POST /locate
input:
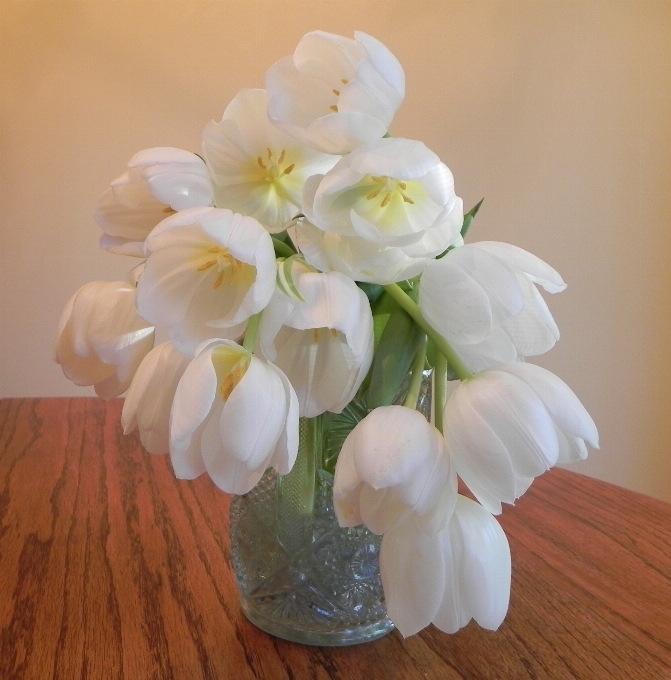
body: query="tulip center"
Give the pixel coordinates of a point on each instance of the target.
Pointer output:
(228, 270)
(230, 365)
(273, 166)
(387, 189)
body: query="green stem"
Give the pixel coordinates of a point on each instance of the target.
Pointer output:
(249, 343)
(282, 249)
(443, 346)
(439, 390)
(417, 375)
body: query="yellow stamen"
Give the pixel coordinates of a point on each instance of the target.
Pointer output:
(207, 265)
(407, 200)
(403, 185)
(334, 108)
(219, 280)
(259, 160)
(336, 92)
(315, 334)
(288, 169)
(168, 211)
(280, 160)
(214, 249)
(334, 332)
(386, 200)
(344, 81)
(270, 154)
(373, 194)
(231, 381)
(379, 180)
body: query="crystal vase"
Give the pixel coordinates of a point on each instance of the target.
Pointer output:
(301, 576)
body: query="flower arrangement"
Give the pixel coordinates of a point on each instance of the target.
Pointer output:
(308, 259)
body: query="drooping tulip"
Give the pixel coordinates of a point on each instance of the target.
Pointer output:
(233, 416)
(207, 272)
(149, 399)
(393, 466)
(461, 573)
(101, 339)
(483, 299)
(257, 169)
(322, 342)
(335, 93)
(158, 182)
(506, 426)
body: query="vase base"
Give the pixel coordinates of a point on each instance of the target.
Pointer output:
(335, 637)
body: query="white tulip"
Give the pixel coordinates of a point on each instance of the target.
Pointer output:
(324, 344)
(483, 299)
(233, 416)
(393, 466)
(101, 339)
(355, 257)
(257, 169)
(149, 399)
(158, 182)
(207, 272)
(506, 426)
(461, 573)
(335, 93)
(391, 196)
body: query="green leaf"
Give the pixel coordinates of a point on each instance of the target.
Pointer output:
(373, 291)
(336, 428)
(469, 217)
(398, 345)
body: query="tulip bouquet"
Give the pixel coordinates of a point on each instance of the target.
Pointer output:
(307, 260)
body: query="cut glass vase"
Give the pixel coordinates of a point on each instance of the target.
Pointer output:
(301, 576)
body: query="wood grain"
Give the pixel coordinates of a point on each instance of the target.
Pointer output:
(110, 568)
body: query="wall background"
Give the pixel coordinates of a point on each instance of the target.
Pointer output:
(557, 111)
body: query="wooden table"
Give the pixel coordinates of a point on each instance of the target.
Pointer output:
(111, 568)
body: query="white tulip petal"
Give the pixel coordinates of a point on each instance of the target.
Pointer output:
(148, 403)
(480, 457)
(335, 95)
(257, 169)
(560, 401)
(478, 570)
(347, 487)
(101, 339)
(384, 62)
(286, 451)
(536, 269)
(193, 400)
(258, 402)
(413, 577)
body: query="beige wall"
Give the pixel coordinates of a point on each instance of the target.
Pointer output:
(556, 111)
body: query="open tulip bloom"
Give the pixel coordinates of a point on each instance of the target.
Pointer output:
(309, 264)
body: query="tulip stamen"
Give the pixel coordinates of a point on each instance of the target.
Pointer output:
(232, 379)
(168, 211)
(315, 334)
(373, 194)
(336, 92)
(219, 280)
(344, 81)
(333, 108)
(407, 199)
(280, 160)
(386, 200)
(288, 169)
(270, 154)
(334, 332)
(207, 265)
(259, 160)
